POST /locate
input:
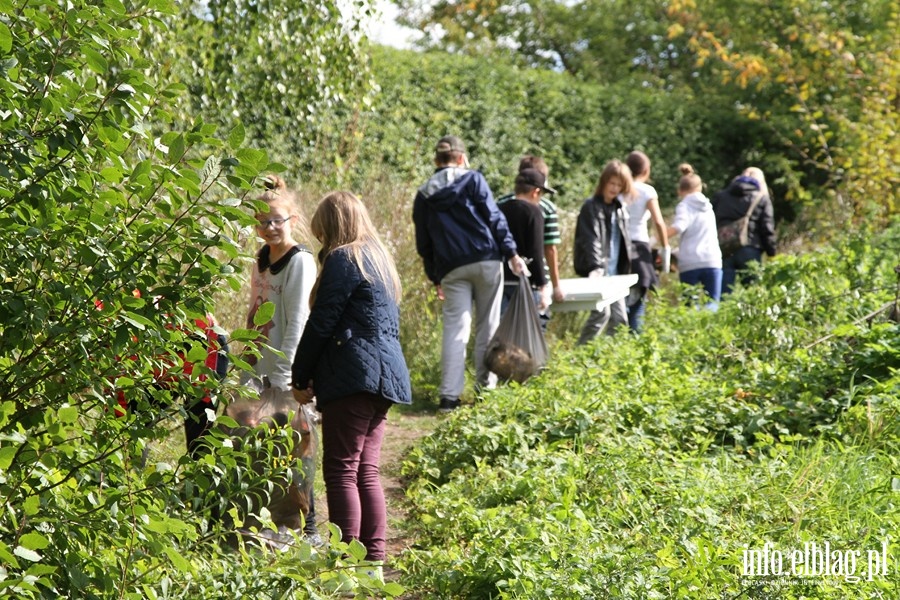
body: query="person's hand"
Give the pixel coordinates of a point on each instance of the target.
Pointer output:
(440, 291)
(666, 258)
(304, 396)
(545, 298)
(559, 294)
(595, 274)
(518, 267)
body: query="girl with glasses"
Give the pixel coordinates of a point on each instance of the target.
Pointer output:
(284, 274)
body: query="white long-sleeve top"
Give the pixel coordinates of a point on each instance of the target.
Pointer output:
(696, 224)
(287, 284)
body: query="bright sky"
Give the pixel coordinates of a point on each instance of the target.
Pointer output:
(386, 31)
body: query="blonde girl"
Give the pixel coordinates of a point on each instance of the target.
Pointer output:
(349, 359)
(284, 274)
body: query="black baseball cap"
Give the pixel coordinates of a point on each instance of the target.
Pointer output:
(534, 178)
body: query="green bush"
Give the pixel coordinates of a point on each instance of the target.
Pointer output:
(116, 240)
(644, 466)
(503, 112)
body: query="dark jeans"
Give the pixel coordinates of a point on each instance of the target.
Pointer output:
(352, 431)
(710, 279)
(739, 261)
(197, 425)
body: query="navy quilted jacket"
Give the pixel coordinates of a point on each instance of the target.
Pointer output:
(351, 342)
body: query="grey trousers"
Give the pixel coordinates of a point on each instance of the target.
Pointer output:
(610, 317)
(479, 284)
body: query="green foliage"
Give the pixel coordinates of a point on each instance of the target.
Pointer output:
(503, 112)
(824, 81)
(598, 40)
(644, 467)
(272, 68)
(117, 235)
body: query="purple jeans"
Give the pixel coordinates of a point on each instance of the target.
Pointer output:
(352, 431)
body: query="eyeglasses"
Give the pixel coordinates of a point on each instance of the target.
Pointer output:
(275, 223)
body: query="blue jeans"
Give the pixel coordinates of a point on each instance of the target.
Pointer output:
(739, 261)
(636, 315)
(709, 278)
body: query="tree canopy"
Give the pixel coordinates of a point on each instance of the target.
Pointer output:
(821, 77)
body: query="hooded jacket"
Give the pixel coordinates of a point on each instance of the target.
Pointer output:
(458, 223)
(733, 202)
(696, 224)
(591, 250)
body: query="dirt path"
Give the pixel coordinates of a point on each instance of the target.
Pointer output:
(403, 430)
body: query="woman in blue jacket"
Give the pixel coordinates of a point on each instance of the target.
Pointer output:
(349, 358)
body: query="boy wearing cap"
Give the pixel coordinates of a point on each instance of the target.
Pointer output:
(462, 238)
(526, 222)
(552, 238)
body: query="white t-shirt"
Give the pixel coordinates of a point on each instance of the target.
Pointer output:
(638, 213)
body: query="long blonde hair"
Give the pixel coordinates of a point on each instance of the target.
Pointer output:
(342, 221)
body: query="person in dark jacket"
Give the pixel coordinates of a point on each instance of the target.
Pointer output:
(526, 222)
(349, 358)
(732, 204)
(602, 244)
(462, 236)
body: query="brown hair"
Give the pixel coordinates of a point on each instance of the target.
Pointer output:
(638, 163)
(690, 181)
(530, 161)
(451, 157)
(342, 221)
(615, 168)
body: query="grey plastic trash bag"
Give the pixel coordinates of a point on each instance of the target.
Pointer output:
(518, 349)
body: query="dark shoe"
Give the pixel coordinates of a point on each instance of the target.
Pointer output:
(448, 405)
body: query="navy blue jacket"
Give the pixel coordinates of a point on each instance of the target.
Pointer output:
(458, 223)
(351, 342)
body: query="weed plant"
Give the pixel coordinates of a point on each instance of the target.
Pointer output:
(653, 466)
